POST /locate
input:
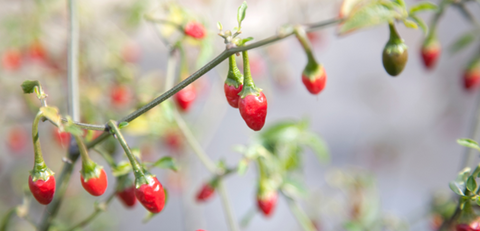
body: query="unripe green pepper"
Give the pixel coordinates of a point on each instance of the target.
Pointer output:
(395, 54)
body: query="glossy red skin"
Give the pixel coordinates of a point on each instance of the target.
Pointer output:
(62, 138)
(232, 94)
(120, 95)
(37, 51)
(267, 205)
(253, 109)
(205, 193)
(96, 186)
(17, 139)
(127, 196)
(315, 84)
(151, 195)
(468, 227)
(185, 97)
(11, 60)
(471, 79)
(195, 30)
(43, 191)
(430, 56)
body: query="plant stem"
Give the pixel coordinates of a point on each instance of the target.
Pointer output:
(192, 141)
(74, 110)
(222, 191)
(300, 215)
(307, 47)
(95, 213)
(217, 60)
(39, 164)
(73, 95)
(137, 169)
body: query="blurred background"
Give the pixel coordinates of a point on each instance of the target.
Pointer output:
(399, 132)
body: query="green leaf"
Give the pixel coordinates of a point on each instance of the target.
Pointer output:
(166, 163)
(51, 113)
(462, 42)
(469, 143)
(400, 3)
(28, 86)
(420, 23)
(478, 201)
(370, 15)
(318, 146)
(456, 188)
(122, 125)
(122, 168)
(219, 26)
(410, 24)
(422, 6)
(241, 13)
(245, 40)
(471, 184)
(242, 167)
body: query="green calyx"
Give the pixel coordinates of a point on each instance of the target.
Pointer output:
(313, 70)
(474, 64)
(40, 169)
(90, 170)
(266, 187)
(146, 178)
(249, 87)
(467, 215)
(234, 77)
(41, 172)
(395, 54)
(431, 42)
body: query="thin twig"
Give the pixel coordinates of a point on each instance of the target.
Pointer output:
(299, 214)
(100, 208)
(222, 191)
(74, 110)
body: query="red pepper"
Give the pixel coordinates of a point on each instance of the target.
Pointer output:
(430, 52)
(267, 202)
(471, 76)
(195, 30)
(42, 190)
(185, 97)
(95, 185)
(127, 196)
(253, 103)
(315, 80)
(151, 194)
(234, 83)
(205, 193)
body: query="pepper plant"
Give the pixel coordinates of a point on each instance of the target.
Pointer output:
(277, 150)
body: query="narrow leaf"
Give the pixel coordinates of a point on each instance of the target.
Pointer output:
(462, 42)
(420, 23)
(422, 6)
(456, 188)
(471, 184)
(410, 24)
(469, 143)
(219, 26)
(241, 13)
(318, 146)
(370, 15)
(166, 163)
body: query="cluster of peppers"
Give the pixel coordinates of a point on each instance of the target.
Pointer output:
(146, 189)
